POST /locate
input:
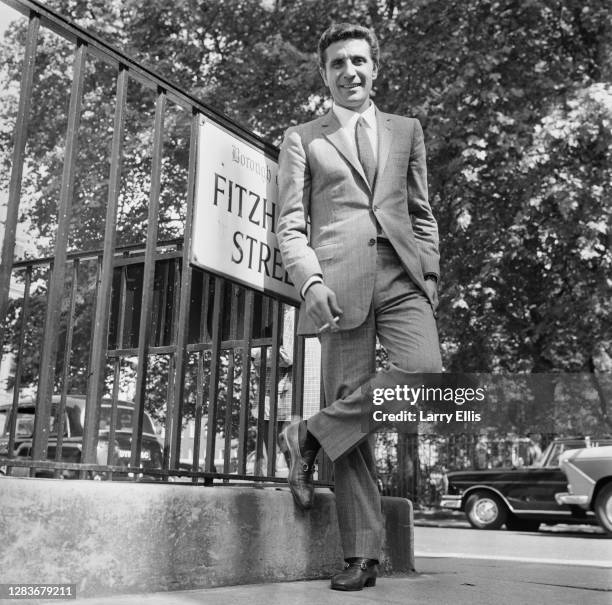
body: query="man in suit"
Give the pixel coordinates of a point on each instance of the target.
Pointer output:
(366, 266)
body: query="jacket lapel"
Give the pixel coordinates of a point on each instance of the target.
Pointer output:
(337, 136)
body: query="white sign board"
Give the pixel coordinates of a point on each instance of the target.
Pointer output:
(236, 210)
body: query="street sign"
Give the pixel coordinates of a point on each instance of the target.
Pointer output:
(236, 210)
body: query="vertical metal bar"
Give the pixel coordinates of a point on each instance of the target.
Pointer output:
(243, 426)
(213, 390)
(175, 412)
(204, 335)
(261, 410)
(229, 403)
(21, 135)
(114, 412)
(234, 313)
(265, 315)
(157, 303)
(96, 298)
(227, 430)
(99, 340)
(197, 437)
(122, 308)
(60, 412)
(56, 287)
(205, 293)
(299, 350)
(169, 403)
(176, 301)
(163, 302)
(144, 333)
(174, 369)
(277, 310)
(263, 384)
(19, 361)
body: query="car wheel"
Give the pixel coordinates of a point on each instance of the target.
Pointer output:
(485, 511)
(603, 507)
(515, 524)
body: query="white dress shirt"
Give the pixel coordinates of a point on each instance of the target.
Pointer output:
(348, 120)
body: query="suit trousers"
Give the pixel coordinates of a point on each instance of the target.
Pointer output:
(402, 318)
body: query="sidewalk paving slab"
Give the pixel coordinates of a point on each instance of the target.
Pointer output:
(440, 582)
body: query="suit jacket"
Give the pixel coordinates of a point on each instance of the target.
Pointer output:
(328, 212)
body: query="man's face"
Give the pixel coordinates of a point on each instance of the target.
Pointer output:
(349, 72)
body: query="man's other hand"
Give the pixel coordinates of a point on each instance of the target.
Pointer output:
(322, 306)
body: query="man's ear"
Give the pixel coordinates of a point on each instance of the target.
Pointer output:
(375, 71)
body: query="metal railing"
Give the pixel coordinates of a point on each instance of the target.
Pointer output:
(149, 311)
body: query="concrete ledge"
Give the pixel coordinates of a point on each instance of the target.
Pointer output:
(111, 538)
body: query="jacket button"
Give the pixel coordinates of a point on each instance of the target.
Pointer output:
(375, 208)
(372, 241)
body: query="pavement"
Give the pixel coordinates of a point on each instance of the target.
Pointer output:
(443, 576)
(439, 582)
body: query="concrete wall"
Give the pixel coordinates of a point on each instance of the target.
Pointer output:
(122, 537)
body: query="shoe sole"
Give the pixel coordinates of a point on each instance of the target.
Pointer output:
(370, 583)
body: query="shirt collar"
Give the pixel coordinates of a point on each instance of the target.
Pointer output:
(348, 117)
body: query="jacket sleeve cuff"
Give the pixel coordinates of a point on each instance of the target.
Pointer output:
(313, 279)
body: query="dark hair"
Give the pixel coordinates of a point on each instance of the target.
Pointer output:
(347, 31)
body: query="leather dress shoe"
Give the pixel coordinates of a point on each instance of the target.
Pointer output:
(357, 573)
(299, 462)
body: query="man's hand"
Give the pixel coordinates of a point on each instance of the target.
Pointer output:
(322, 307)
(432, 290)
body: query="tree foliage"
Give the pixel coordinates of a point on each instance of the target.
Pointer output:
(516, 103)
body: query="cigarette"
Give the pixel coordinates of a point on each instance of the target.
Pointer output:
(326, 325)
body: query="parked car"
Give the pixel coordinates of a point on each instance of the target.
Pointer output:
(589, 482)
(72, 444)
(519, 498)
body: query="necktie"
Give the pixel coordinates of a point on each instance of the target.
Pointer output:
(365, 152)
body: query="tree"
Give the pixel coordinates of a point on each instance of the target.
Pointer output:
(515, 99)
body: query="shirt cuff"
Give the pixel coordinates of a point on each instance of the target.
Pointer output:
(313, 279)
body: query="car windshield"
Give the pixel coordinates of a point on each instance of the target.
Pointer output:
(25, 423)
(559, 448)
(550, 456)
(125, 417)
